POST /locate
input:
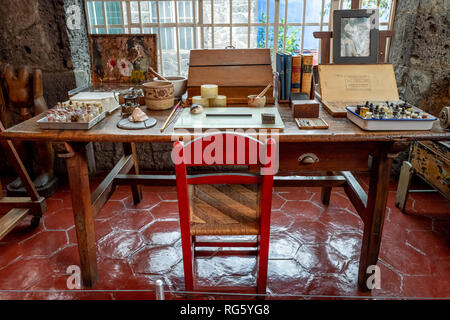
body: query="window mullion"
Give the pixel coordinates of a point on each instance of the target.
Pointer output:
(177, 37)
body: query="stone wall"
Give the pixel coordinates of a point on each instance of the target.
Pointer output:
(34, 33)
(420, 53)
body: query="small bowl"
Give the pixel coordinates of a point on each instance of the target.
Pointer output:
(158, 95)
(179, 84)
(254, 101)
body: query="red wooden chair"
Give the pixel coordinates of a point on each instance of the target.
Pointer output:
(225, 203)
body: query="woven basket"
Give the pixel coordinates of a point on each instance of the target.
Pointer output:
(159, 95)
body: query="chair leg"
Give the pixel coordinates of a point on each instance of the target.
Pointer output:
(188, 260)
(263, 260)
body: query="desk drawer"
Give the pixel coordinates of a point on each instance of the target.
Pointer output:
(324, 156)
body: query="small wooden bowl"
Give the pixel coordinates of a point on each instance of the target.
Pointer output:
(254, 101)
(159, 95)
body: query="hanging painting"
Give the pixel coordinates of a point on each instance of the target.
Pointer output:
(123, 58)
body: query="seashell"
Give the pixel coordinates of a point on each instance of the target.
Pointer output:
(196, 108)
(138, 115)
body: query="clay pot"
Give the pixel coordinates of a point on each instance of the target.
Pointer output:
(254, 101)
(179, 84)
(159, 95)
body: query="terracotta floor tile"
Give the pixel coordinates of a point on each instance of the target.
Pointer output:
(314, 249)
(44, 243)
(61, 219)
(119, 244)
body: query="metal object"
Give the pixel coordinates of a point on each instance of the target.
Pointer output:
(444, 118)
(159, 289)
(130, 98)
(308, 158)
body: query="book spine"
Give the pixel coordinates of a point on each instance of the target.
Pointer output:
(282, 76)
(296, 74)
(288, 73)
(307, 70)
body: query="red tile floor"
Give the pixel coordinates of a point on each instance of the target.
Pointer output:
(314, 249)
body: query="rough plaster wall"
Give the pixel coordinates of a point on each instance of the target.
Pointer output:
(33, 33)
(420, 53)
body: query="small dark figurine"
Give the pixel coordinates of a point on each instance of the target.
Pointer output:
(25, 99)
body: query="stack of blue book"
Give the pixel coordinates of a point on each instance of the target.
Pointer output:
(284, 69)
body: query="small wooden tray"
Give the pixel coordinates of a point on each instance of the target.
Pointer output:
(311, 123)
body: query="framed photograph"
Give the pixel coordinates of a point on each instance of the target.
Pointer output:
(355, 36)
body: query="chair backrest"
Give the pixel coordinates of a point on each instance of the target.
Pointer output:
(224, 149)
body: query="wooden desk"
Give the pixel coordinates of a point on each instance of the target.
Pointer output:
(342, 148)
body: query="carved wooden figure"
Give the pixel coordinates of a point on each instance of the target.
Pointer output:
(25, 99)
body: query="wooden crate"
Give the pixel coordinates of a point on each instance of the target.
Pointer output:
(431, 161)
(343, 85)
(238, 73)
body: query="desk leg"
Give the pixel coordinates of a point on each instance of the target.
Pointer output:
(136, 190)
(326, 191)
(82, 210)
(374, 215)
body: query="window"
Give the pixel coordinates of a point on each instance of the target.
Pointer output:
(182, 25)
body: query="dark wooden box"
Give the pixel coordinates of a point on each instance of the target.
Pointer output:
(305, 108)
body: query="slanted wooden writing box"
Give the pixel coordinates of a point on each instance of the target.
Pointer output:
(342, 85)
(238, 73)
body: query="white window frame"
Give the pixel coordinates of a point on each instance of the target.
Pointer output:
(198, 25)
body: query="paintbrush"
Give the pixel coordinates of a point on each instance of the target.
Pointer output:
(170, 116)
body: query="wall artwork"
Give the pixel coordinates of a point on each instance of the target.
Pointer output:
(356, 34)
(123, 58)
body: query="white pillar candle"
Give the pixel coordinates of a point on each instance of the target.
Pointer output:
(219, 101)
(204, 102)
(209, 91)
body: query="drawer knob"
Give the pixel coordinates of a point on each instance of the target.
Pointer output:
(308, 158)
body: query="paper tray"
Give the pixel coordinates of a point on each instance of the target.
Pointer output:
(390, 124)
(46, 125)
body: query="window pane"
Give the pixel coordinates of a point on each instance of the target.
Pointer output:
(166, 11)
(95, 9)
(148, 12)
(240, 37)
(313, 10)
(293, 39)
(185, 14)
(207, 37)
(168, 38)
(256, 38)
(206, 11)
(256, 10)
(135, 30)
(240, 11)
(115, 30)
(134, 8)
(186, 38)
(346, 4)
(295, 11)
(310, 42)
(221, 11)
(113, 13)
(221, 37)
(326, 11)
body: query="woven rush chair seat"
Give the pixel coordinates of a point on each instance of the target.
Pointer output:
(226, 209)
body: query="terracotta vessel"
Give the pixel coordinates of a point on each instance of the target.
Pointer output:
(159, 95)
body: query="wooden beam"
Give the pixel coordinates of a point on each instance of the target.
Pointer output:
(10, 220)
(278, 181)
(106, 188)
(356, 194)
(39, 206)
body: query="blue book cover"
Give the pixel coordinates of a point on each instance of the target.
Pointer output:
(288, 76)
(281, 70)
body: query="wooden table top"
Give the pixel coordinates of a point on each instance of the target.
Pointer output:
(340, 130)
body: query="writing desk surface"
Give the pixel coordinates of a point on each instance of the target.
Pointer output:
(340, 130)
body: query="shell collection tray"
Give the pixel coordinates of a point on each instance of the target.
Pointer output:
(390, 124)
(54, 125)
